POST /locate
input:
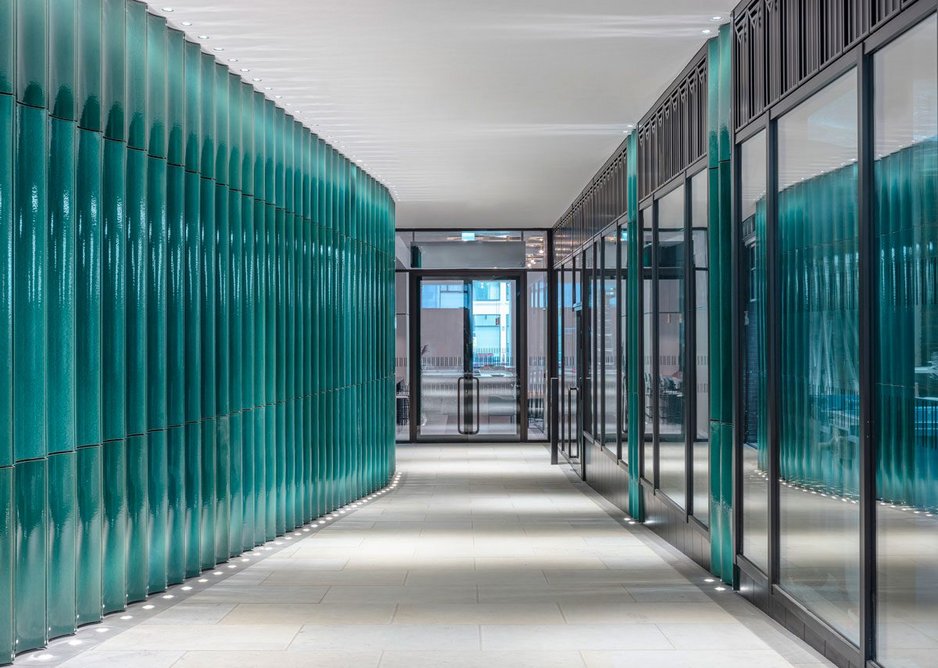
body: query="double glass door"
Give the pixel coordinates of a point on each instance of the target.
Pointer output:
(467, 344)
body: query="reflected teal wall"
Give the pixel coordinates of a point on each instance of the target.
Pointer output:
(905, 394)
(196, 335)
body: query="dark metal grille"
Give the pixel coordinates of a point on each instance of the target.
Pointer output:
(674, 133)
(780, 43)
(603, 201)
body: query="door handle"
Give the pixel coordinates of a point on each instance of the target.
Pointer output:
(478, 408)
(460, 398)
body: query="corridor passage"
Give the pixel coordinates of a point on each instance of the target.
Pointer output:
(480, 556)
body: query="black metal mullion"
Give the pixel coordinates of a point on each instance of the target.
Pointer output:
(521, 352)
(413, 286)
(690, 350)
(655, 350)
(772, 345)
(619, 348)
(867, 297)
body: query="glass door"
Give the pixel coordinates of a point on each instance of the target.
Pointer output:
(467, 343)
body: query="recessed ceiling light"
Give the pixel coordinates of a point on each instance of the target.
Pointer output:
(218, 48)
(187, 23)
(245, 69)
(268, 87)
(716, 18)
(168, 10)
(204, 37)
(256, 79)
(278, 96)
(706, 31)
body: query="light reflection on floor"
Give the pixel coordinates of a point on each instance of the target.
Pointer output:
(483, 556)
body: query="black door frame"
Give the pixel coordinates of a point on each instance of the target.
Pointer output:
(520, 278)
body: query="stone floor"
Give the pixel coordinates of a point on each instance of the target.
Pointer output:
(481, 555)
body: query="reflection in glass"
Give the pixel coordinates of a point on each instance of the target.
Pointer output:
(819, 414)
(701, 433)
(537, 355)
(755, 447)
(906, 391)
(672, 446)
(623, 343)
(494, 369)
(402, 355)
(609, 342)
(588, 322)
(444, 308)
(568, 387)
(648, 314)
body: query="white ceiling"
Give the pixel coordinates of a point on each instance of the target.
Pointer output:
(476, 113)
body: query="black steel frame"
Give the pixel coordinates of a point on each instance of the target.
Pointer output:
(520, 277)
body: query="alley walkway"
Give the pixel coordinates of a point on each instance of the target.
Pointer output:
(481, 556)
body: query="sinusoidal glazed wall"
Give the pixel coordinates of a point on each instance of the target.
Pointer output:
(196, 335)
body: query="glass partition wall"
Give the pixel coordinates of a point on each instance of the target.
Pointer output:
(675, 346)
(592, 322)
(472, 332)
(837, 254)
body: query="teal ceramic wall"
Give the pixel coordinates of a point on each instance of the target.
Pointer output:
(196, 335)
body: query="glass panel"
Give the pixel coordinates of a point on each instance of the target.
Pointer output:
(571, 377)
(469, 250)
(588, 320)
(443, 314)
(755, 447)
(649, 380)
(672, 448)
(906, 391)
(492, 328)
(609, 344)
(701, 442)
(537, 355)
(535, 250)
(623, 343)
(402, 354)
(568, 342)
(819, 416)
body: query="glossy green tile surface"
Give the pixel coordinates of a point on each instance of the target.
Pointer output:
(156, 86)
(62, 547)
(114, 292)
(62, 27)
(113, 93)
(115, 533)
(136, 75)
(7, 550)
(166, 314)
(208, 493)
(138, 553)
(61, 267)
(7, 47)
(30, 566)
(137, 287)
(88, 550)
(30, 286)
(157, 509)
(32, 52)
(89, 245)
(175, 361)
(88, 63)
(175, 504)
(157, 290)
(7, 105)
(175, 97)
